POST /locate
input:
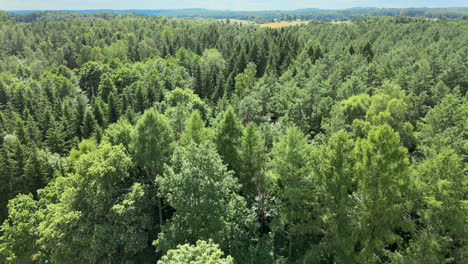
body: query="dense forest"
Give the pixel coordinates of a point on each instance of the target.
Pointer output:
(142, 139)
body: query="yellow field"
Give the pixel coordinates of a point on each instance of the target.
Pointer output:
(238, 21)
(283, 24)
(341, 22)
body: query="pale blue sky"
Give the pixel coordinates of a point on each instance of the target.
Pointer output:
(220, 4)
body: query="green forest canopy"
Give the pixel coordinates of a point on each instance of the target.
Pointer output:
(144, 139)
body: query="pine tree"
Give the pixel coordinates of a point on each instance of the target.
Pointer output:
(367, 52)
(89, 124)
(154, 86)
(57, 138)
(291, 167)
(333, 164)
(227, 139)
(113, 109)
(4, 95)
(12, 161)
(106, 87)
(99, 112)
(141, 96)
(253, 160)
(152, 147)
(195, 131)
(442, 239)
(381, 169)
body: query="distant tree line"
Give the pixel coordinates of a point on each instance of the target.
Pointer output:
(259, 16)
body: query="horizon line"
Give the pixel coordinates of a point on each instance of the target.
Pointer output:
(229, 10)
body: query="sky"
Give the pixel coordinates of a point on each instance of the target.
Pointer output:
(221, 4)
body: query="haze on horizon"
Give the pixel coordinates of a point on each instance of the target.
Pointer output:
(244, 5)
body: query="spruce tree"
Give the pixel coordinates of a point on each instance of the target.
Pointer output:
(195, 131)
(89, 124)
(227, 139)
(113, 109)
(253, 160)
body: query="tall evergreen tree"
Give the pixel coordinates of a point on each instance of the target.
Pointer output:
(227, 139)
(114, 111)
(333, 164)
(253, 162)
(291, 167)
(195, 130)
(89, 124)
(383, 182)
(152, 147)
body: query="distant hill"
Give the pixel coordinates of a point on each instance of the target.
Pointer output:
(266, 16)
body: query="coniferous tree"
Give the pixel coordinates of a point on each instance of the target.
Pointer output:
(253, 161)
(334, 166)
(291, 167)
(89, 124)
(443, 219)
(227, 139)
(152, 147)
(99, 112)
(106, 87)
(152, 143)
(383, 183)
(12, 160)
(113, 108)
(339, 111)
(367, 52)
(57, 138)
(195, 130)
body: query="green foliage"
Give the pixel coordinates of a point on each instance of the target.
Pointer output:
(106, 87)
(443, 181)
(291, 167)
(89, 124)
(345, 112)
(252, 163)
(12, 161)
(227, 139)
(212, 66)
(120, 133)
(203, 193)
(90, 77)
(201, 252)
(316, 143)
(151, 143)
(114, 108)
(195, 130)
(245, 81)
(383, 183)
(445, 125)
(66, 229)
(179, 104)
(19, 231)
(334, 166)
